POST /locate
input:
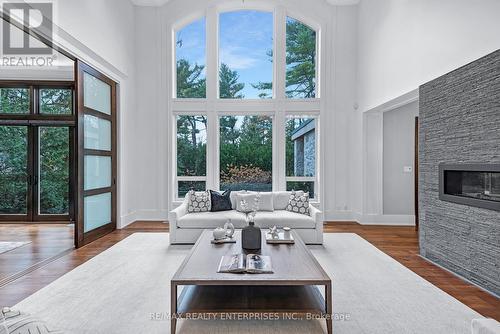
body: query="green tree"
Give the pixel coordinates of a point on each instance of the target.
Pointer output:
(14, 101)
(54, 153)
(300, 62)
(229, 88)
(190, 82)
(191, 152)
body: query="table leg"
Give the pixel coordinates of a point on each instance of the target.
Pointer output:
(328, 307)
(173, 307)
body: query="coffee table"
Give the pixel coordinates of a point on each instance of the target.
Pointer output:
(291, 292)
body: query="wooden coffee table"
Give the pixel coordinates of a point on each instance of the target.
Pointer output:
(291, 292)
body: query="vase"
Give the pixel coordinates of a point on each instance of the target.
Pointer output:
(251, 237)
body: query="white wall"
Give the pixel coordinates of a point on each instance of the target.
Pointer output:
(152, 127)
(405, 43)
(399, 152)
(101, 33)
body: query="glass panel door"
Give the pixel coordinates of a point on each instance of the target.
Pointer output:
(53, 171)
(14, 171)
(97, 160)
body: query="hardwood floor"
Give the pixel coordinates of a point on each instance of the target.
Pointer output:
(46, 241)
(401, 243)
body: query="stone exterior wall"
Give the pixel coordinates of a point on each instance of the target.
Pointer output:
(460, 123)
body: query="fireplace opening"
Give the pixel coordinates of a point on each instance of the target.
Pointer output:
(474, 185)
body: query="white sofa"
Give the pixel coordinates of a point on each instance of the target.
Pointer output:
(185, 228)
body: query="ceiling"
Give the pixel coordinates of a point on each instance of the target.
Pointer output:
(156, 3)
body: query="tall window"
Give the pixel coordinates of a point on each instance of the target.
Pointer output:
(301, 154)
(245, 55)
(190, 60)
(191, 153)
(246, 153)
(300, 60)
(224, 140)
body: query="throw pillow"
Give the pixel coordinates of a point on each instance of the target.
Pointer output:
(220, 202)
(298, 203)
(15, 322)
(199, 201)
(265, 201)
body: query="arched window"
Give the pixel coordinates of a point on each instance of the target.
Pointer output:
(300, 60)
(238, 76)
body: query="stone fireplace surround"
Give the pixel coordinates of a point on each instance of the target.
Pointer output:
(460, 124)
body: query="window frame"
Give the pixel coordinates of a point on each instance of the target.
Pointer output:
(279, 107)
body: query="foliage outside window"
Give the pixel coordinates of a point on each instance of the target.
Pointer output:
(54, 170)
(245, 54)
(190, 60)
(300, 60)
(246, 153)
(301, 154)
(14, 100)
(56, 101)
(13, 169)
(191, 153)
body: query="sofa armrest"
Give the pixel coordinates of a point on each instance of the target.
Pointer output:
(485, 326)
(315, 214)
(177, 213)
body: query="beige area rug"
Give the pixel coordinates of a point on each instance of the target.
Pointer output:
(6, 246)
(126, 289)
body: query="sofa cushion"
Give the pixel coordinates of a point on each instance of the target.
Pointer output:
(265, 219)
(265, 201)
(233, 196)
(212, 219)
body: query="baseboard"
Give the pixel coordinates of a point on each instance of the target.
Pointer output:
(391, 220)
(143, 215)
(406, 220)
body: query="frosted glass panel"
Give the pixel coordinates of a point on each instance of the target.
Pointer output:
(97, 211)
(97, 133)
(97, 94)
(97, 172)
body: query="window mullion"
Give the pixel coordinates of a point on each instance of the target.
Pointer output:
(212, 36)
(279, 60)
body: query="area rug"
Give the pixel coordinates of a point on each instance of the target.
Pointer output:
(6, 246)
(126, 289)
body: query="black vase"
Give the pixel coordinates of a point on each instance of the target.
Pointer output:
(251, 238)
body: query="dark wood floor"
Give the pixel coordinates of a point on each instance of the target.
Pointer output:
(46, 241)
(401, 243)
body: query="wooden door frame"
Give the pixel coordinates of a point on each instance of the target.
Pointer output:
(81, 237)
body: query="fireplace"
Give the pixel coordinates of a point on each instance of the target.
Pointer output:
(470, 184)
